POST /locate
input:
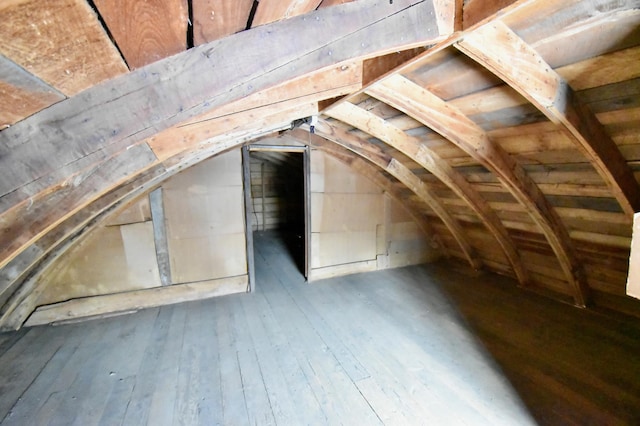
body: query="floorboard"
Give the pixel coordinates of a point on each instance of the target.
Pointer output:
(417, 345)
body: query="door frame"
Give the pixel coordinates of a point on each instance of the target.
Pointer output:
(248, 207)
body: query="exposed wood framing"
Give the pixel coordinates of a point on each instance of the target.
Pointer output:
(341, 136)
(447, 120)
(59, 41)
(275, 10)
(181, 87)
(374, 174)
(248, 230)
(214, 19)
(146, 30)
(427, 158)
(496, 47)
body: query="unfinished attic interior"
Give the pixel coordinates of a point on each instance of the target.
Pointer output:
(319, 212)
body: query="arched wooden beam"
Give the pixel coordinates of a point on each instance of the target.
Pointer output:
(427, 158)
(78, 136)
(341, 136)
(424, 106)
(496, 47)
(374, 174)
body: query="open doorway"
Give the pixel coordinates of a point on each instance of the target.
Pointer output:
(276, 198)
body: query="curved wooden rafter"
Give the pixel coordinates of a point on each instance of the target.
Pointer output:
(496, 47)
(341, 136)
(427, 158)
(374, 174)
(419, 103)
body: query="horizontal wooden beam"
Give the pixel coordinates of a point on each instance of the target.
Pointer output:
(496, 47)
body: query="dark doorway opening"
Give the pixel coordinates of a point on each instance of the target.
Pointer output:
(278, 200)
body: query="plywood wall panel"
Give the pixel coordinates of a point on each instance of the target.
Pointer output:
(633, 281)
(59, 41)
(146, 30)
(113, 259)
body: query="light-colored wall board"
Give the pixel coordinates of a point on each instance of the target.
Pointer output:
(113, 259)
(633, 281)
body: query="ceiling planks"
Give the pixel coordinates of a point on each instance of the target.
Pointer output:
(214, 19)
(442, 117)
(59, 41)
(500, 50)
(274, 10)
(146, 30)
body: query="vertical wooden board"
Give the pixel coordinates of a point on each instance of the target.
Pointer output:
(275, 10)
(146, 30)
(22, 94)
(317, 174)
(633, 282)
(59, 41)
(214, 19)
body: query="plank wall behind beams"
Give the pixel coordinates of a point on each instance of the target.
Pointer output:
(214, 19)
(146, 30)
(359, 146)
(275, 10)
(22, 94)
(497, 48)
(421, 104)
(59, 41)
(427, 158)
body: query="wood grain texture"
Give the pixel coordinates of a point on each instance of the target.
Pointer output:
(61, 42)
(423, 105)
(406, 176)
(214, 19)
(415, 149)
(275, 10)
(496, 47)
(146, 31)
(22, 94)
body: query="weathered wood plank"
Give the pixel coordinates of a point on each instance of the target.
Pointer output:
(215, 19)
(447, 120)
(22, 94)
(146, 31)
(160, 235)
(60, 41)
(181, 87)
(275, 10)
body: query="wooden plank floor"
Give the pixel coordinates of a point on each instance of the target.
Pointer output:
(418, 345)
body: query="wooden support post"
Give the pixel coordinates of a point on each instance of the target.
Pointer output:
(248, 228)
(160, 236)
